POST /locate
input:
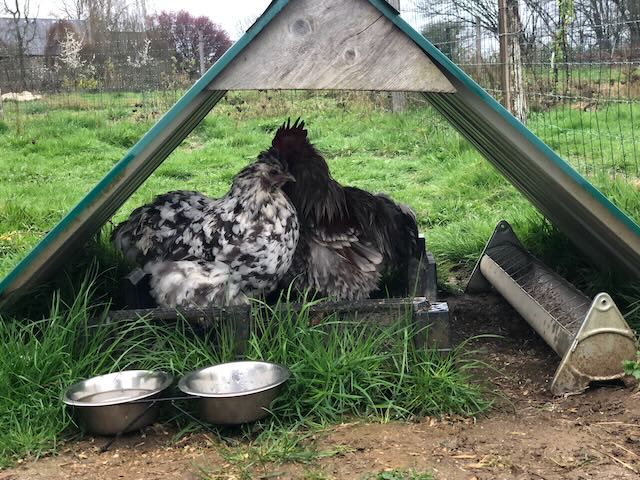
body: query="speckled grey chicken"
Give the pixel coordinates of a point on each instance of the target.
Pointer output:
(349, 238)
(201, 251)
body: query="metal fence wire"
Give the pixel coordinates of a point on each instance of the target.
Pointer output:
(569, 69)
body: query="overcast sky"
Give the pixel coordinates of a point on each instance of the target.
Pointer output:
(229, 14)
(223, 12)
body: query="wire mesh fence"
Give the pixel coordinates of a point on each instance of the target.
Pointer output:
(569, 69)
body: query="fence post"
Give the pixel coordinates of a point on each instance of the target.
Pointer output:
(519, 95)
(504, 54)
(398, 99)
(1, 111)
(201, 51)
(478, 48)
(509, 28)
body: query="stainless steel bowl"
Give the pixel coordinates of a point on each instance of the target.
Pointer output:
(235, 392)
(104, 404)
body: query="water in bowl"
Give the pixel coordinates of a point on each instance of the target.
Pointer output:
(114, 396)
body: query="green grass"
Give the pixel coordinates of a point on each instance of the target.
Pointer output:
(598, 142)
(274, 446)
(38, 360)
(340, 369)
(354, 368)
(61, 151)
(400, 475)
(52, 152)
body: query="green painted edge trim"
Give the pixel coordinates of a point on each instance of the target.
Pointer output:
(272, 10)
(468, 82)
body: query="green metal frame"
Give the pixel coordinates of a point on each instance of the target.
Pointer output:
(576, 207)
(148, 153)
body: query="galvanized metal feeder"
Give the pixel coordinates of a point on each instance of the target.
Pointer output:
(591, 336)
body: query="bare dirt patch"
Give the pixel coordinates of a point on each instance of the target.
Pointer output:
(528, 435)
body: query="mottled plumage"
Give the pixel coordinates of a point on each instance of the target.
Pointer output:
(349, 238)
(201, 251)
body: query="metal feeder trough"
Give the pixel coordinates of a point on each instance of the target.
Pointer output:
(591, 337)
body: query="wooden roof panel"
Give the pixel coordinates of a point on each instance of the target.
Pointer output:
(332, 45)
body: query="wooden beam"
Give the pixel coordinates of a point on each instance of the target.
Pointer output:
(385, 312)
(332, 45)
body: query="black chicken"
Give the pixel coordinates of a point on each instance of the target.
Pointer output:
(201, 251)
(349, 238)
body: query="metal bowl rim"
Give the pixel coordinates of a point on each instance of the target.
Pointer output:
(181, 383)
(168, 379)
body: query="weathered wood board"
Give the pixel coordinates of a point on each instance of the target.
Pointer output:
(332, 45)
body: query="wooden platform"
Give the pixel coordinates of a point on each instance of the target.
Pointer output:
(434, 315)
(416, 290)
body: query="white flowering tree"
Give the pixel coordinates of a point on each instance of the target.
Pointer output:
(142, 58)
(78, 72)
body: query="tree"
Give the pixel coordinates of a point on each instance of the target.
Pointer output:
(630, 12)
(602, 19)
(599, 23)
(462, 12)
(107, 15)
(535, 17)
(56, 34)
(452, 16)
(445, 36)
(180, 32)
(73, 9)
(78, 72)
(24, 31)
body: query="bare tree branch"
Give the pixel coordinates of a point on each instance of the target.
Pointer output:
(24, 30)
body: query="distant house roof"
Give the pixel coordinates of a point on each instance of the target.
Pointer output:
(37, 28)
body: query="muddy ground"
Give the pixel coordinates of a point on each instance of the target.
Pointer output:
(528, 435)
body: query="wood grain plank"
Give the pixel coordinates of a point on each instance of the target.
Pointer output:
(332, 44)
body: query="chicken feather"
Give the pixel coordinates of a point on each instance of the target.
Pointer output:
(349, 238)
(201, 251)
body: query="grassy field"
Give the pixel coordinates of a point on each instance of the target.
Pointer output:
(339, 369)
(58, 149)
(64, 147)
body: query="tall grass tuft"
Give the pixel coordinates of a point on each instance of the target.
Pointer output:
(40, 359)
(339, 367)
(37, 361)
(354, 368)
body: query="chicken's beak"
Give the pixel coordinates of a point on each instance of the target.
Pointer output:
(284, 178)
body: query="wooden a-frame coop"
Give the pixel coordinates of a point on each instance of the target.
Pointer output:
(351, 45)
